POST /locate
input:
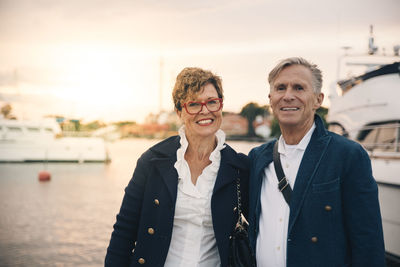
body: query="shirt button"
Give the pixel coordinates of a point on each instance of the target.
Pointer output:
(328, 208)
(141, 261)
(280, 219)
(314, 239)
(278, 248)
(156, 202)
(150, 231)
(287, 165)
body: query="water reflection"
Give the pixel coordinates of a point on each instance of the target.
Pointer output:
(67, 221)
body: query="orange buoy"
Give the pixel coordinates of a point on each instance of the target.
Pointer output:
(44, 176)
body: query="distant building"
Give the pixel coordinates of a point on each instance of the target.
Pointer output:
(234, 124)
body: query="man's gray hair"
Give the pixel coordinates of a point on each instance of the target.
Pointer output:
(315, 72)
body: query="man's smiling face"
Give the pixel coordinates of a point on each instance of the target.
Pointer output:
(292, 97)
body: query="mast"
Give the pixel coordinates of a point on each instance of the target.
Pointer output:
(161, 85)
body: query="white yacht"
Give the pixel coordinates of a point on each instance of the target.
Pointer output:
(366, 108)
(40, 141)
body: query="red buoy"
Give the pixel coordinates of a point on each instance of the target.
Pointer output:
(44, 176)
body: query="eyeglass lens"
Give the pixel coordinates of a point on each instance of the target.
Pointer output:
(212, 105)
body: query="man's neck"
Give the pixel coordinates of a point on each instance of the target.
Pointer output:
(293, 135)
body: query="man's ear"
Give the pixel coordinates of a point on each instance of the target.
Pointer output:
(318, 101)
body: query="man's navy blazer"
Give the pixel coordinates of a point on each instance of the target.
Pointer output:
(334, 210)
(149, 202)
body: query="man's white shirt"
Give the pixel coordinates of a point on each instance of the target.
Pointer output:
(274, 216)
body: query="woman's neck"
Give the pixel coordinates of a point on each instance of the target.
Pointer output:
(200, 148)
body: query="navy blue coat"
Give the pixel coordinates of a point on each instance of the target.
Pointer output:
(149, 202)
(334, 211)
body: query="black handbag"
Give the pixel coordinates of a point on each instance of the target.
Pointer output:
(240, 252)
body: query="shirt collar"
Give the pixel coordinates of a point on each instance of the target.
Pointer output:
(302, 145)
(220, 135)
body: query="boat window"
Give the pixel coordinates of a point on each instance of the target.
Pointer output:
(14, 129)
(33, 129)
(386, 139)
(369, 138)
(338, 129)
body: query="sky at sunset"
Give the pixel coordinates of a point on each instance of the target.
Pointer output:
(108, 60)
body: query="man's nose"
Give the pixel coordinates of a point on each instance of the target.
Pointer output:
(289, 94)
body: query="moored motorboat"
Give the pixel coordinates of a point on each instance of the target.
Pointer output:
(366, 108)
(40, 141)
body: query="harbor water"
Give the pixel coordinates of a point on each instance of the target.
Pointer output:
(68, 220)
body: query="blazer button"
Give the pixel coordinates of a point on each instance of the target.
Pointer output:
(150, 231)
(156, 201)
(141, 261)
(314, 239)
(234, 209)
(328, 208)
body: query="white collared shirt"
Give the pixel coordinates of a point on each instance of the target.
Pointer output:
(193, 242)
(274, 217)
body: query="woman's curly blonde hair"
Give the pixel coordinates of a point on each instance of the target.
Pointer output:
(191, 81)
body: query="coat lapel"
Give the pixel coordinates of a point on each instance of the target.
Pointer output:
(263, 161)
(168, 173)
(308, 166)
(256, 179)
(164, 163)
(227, 172)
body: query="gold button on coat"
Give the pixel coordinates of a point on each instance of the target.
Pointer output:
(150, 231)
(141, 261)
(156, 202)
(328, 208)
(314, 239)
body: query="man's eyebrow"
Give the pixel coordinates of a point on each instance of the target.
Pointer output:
(279, 84)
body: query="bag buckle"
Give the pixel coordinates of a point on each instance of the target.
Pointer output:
(281, 186)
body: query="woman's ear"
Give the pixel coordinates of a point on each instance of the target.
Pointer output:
(178, 112)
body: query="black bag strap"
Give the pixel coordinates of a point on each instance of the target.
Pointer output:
(241, 219)
(283, 183)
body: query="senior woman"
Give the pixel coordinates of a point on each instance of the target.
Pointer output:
(179, 208)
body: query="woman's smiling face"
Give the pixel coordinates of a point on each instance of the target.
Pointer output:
(205, 123)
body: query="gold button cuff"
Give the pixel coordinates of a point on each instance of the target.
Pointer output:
(141, 261)
(156, 202)
(150, 231)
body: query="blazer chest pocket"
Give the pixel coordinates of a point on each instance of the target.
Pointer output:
(326, 187)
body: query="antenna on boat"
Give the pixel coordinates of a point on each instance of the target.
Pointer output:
(371, 46)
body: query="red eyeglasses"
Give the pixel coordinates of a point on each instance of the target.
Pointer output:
(194, 108)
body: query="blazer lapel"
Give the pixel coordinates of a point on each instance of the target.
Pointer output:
(256, 179)
(227, 172)
(262, 162)
(308, 166)
(165, 161)
(166, 169)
